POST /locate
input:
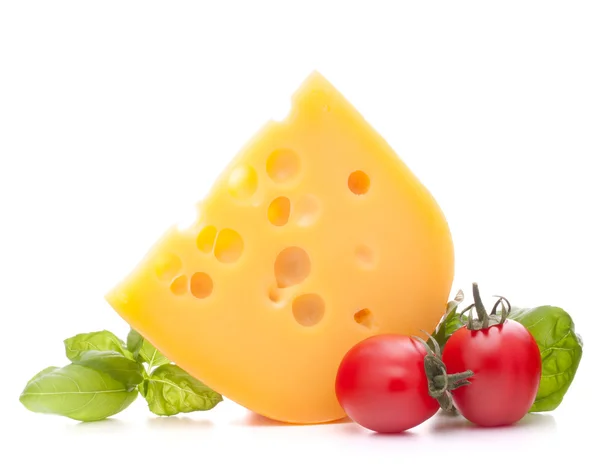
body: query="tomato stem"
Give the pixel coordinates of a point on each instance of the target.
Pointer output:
(452, 381)
(482, 314)
(440, 383)
(484, 320)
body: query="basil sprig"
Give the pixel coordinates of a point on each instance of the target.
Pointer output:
(106, 375)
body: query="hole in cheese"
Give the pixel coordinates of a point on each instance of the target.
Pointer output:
(275, 294)
(167, 266)
(306, 210)
(283, 165)
(229, 246)
(359, 182)
(279, 211)
(292, 266)
(201, 285)
(206, 239)
(279, 297)
(364, 255)
(179, 285)
(365, 318)
(243, 182)
(308, 309)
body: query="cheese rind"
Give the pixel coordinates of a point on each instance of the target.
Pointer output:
(315, 236)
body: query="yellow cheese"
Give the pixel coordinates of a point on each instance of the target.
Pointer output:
(315, 237)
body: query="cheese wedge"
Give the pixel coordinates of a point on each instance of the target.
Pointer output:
(315, 237)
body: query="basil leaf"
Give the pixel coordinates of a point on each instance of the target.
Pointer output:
(124, 370)
(152, 356)
(76, 392)
(449, 323)
(143, 387)
(561, 349)
(144, 351)
(99, 341)
(134, 343)
(170, 390)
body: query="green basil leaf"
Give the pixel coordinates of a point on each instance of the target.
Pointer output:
(76, 392)
(98, 341)
(170, 390)
(134, 343)
(449, 323)
(152, 356)
(144, 351)
(561, 349)
(143, 387)
(124, 370)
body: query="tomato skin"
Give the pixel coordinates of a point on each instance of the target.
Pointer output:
(507, 366)
(381, 384)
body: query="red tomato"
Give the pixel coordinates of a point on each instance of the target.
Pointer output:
(382, 385)
(506, 363)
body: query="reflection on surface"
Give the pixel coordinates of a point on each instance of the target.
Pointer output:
(440, 424)
(446, 423)
(256, 420)
(179, 423)
(173, 423)
(353, 429)
(106, 425)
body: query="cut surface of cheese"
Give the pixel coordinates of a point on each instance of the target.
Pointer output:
(314, 237)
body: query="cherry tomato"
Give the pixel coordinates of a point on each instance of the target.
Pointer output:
(506, 363)
(381, 384)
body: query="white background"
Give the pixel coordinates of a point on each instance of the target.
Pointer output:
(115, 117)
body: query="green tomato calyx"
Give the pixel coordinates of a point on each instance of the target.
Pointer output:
(440, 383)
(485, 320)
